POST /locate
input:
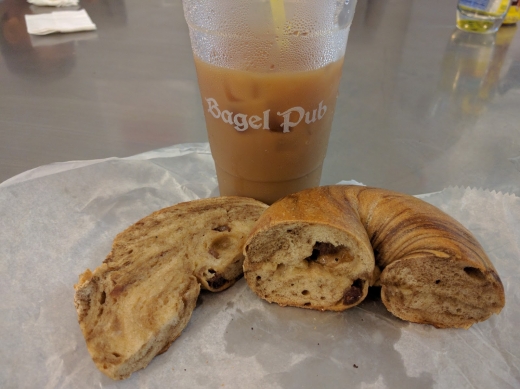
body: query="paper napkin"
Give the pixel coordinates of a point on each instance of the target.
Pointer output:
(61, 21)
(54, 3)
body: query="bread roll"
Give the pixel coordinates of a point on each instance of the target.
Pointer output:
(138, 301)
(321, 248)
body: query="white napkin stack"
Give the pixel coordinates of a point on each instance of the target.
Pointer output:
(54, 3)
(62, 21)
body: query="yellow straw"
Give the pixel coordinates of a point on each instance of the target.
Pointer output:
(278, 11)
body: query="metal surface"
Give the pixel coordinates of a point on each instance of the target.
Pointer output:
(421, 106)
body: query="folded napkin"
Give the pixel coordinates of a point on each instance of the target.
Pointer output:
(61, 21)
(54, 3)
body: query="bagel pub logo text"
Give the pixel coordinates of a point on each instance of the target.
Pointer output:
(291, 117)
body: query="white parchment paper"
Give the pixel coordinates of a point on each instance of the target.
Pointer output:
(57, 220)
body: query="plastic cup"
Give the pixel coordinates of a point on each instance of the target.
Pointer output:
(268, 73)
(481, 16)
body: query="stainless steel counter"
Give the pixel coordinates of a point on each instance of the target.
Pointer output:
(421, 107)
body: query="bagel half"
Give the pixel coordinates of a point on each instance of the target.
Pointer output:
(138, 301)
(321, 248)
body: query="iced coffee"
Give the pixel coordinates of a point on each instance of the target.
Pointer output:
(268, 91)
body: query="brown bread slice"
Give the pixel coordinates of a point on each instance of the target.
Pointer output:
(138, 301)
(432, 269)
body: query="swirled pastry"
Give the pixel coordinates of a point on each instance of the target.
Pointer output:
(138, 301)
(321, 249)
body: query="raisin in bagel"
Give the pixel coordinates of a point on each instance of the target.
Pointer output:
(316, 249)
(138, 301)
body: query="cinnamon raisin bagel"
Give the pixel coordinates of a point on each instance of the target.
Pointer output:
(135, 304)
(321, 248)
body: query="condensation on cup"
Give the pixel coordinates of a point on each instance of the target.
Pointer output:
(268, 73)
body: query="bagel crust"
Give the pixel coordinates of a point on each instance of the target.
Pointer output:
(321, 248)
(135, 304)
